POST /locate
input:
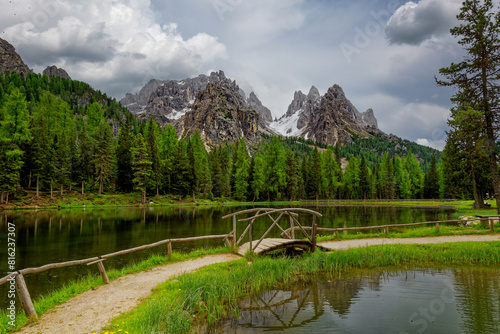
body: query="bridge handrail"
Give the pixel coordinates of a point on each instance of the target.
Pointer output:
(291, 212)
(272, 209)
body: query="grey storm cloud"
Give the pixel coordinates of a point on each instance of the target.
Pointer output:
(414, 23)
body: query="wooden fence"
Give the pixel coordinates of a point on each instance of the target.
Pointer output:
(386, 227)
(22, 289)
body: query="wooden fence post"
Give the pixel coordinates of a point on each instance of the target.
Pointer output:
(250, 236)
(103, 272)
(386, 230)
(234, 231)
(170, 250)
(437, 227)
(24, 297)
(313, 235)
(292, 228)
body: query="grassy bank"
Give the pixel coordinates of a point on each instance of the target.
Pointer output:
(210, 295)
(45, 303)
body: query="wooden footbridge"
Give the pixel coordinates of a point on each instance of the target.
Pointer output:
(273, 216)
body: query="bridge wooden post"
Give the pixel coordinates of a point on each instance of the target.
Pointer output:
(292, 228)
(250, 238)
(313, 234)
(234, 231)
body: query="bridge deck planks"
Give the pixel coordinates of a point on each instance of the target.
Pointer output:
(268, 245)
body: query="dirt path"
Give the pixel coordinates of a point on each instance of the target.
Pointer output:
(90, 311)
(346, 244)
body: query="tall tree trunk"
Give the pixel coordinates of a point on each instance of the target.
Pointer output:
(194, 198)
(478, 196)
(100, 185)
(7, 198)
(61, 190)
(69, 186)
(51, 194)
(493, 158)
(29, 180)
(37, 193)
(83, 188)
(490, 133)
(1, 197)
(157, 194)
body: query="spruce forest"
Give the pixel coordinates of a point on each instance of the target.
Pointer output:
(58, 134)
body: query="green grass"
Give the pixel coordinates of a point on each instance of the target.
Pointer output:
(45, 303)
(205, 298)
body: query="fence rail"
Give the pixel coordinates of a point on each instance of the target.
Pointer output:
(22, 289)
(386, 227)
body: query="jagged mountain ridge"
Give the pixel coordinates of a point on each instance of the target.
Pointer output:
(173, 98)
(329, 119)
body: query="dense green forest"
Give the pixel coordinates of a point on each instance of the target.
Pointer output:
(58, 134)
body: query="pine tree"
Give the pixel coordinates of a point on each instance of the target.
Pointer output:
(316, 174)
(125, 173)
(387, 171)
(167, 149)
(275, 172)
(364, 179)
(141, 165)
(258, 177)
(351, 179)
(477, 77)
(182, 173)
(202, 180)
(152, 133)
(103, 158)
(292, 175)
(416, 175)
(241, 166)
(14, 132)
(431, 181)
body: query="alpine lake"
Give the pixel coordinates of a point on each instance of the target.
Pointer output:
(452, 300)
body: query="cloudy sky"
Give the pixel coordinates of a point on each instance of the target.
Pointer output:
(384, 53)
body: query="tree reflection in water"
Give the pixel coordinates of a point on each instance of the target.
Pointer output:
(413, 301)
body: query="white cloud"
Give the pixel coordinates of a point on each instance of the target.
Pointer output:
(110, 43)
(413, 23)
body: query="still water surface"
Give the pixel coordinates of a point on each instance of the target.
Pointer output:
(417, 301)
(45, 236)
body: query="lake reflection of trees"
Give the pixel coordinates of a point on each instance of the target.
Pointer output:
(334, 301)
(478, 299)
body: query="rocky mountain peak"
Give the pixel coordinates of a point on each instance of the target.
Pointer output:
(297, 104)
(56, 72)
(255, 104)
(369, 118)
(10, 60)
(313, 94)
(221, 115)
